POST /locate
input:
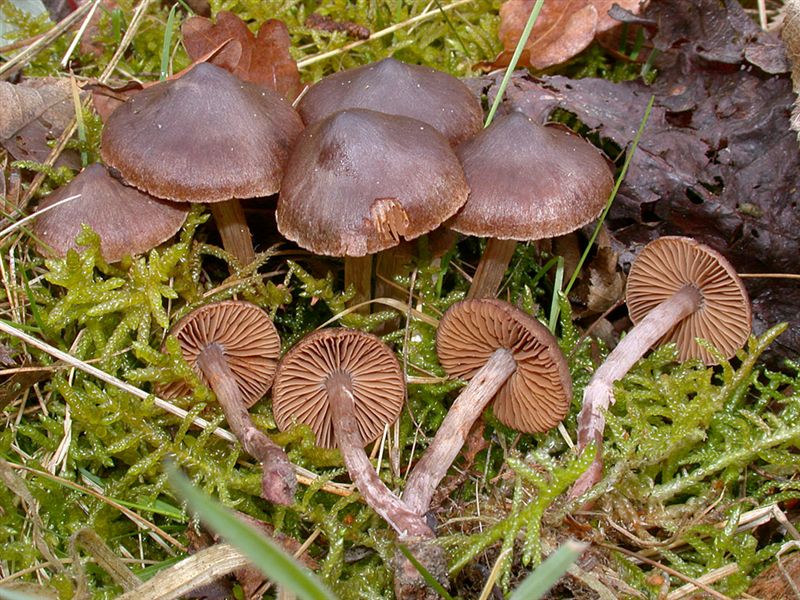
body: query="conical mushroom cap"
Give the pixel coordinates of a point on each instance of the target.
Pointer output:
(669, 263)
(396, 88)
(537, 395)
(377, 380)
(204, 137)
(360, 180)
(128, 221)
(530, 182)
(249, 341)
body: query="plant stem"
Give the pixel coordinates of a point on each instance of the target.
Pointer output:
(232, 225)
(599, 394)
(432, 467)
(358, 272)
(393, 510)
(491, 268)
(278, 483)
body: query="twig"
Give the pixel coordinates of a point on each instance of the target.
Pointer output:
(44, 41)
(377, 35)
(696, 582)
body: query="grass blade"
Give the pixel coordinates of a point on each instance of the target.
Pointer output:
(265, 555)
(537, 584)
(167, 45)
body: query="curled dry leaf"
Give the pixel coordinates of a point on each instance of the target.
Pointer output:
(262, 59)
(791, 37)
(33, 113)
(564, 28)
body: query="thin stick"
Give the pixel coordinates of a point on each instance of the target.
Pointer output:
(709, 590)
(432, 467)
(377, 35)
(78, 36)
(769, 275)
(304, 476)
(65, 24)
(17, 224)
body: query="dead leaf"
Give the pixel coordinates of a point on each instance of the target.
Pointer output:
(324, 23)
(106, 99)
(35, 112)
(262, 59)
(791, 37)
(563, 29)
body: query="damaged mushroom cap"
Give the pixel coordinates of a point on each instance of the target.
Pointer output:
(724, 318)
(377, 382)
(359, 181)
(128, 221)
(203, 137)
(530, 182)
(248, 338)
(396, 88)
(537, 395)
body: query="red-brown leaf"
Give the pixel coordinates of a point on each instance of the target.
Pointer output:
(262, 59)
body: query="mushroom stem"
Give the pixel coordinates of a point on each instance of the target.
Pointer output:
(374, 491)
(278, 482)
(491, 268)
(232, 225)
(358, 272)
(432, 467)
(599, 393)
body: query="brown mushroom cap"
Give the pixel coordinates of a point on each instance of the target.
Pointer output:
(669, 263)
(396, 88)
(530, 182)
(377, 380)
(359, 180)
(204, 137)
(249, 342)
(537, 395)
(127, 220)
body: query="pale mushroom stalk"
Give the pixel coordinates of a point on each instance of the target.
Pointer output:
(233, 229)
(599, 393)
(278, 480)
(358, 273)
(491, 268)
(451, 435)
(349, 441)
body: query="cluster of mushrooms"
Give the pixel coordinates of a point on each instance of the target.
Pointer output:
(374, 156)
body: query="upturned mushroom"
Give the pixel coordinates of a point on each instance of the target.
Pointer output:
(678, 290)
(359, 181)
(128, 221)
(397, 88)
(204, 137)
(347, 386)
(508, 357)
(527, 182)
(234, 348)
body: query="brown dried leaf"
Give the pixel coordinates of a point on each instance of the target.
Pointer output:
(564, 28)
(34, 112)
(791, 37)
(262, 59)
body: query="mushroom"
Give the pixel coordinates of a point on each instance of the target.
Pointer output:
(506, 355)
(127, 220)
(234, 347)
(347, 386)
(678, 290)
(359, 181)
(396, 88)
(527, 182)
(204, 137)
